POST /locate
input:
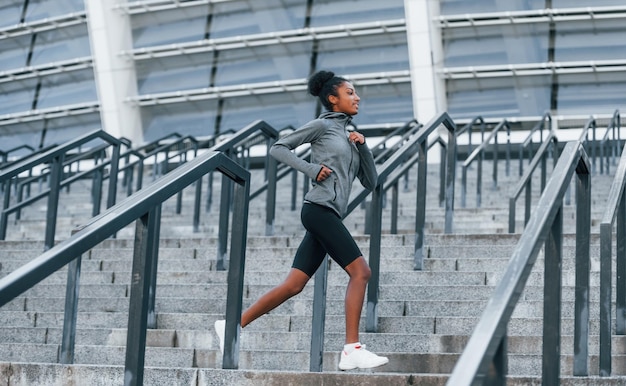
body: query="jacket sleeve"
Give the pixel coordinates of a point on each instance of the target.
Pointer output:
(367, 172)
(282, 149)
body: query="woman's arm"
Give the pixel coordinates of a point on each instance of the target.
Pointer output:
(282, 149)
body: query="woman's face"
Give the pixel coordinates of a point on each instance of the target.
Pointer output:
(346, 101)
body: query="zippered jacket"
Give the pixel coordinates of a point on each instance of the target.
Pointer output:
(328, 136)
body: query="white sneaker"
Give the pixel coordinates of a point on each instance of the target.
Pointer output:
(360, 358)
(220, 327)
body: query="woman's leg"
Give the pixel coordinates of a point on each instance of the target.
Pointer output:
(359, 273)
(291, 286)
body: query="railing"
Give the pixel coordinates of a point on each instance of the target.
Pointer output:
(4, 155)
(479, 151)
(469, 128)
(249, 133)
(388, 175)
(615, 212)
(609, 148)
(55, 157)
(525, 182)
(23, 186)
(485, 356)
(526, 146)
(145, 208)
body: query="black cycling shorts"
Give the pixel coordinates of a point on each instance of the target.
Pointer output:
(326, 234)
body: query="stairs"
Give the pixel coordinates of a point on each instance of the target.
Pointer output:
(425, 317)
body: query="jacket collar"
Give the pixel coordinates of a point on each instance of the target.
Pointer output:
(341, 117)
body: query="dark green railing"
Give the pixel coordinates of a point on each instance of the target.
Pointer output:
(615, 214)
(525, 182)
(484, 359)
(144, 207)
(55, 158)
(478, 155)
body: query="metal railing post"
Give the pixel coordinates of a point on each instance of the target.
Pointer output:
(420, 208)
(376, 206)
(223, 223)
(71, 310)
(583, 269)
(139, 298)
(56, 174)
(318, 319)
(551, 361)
(234, 300)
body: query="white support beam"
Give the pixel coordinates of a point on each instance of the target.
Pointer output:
(110, 33)
(425, 56)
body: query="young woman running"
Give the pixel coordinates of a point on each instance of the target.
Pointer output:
(338, 156)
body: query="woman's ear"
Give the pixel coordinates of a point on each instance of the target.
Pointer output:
(333, 99)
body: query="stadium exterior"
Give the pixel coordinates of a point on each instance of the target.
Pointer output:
(145, 69)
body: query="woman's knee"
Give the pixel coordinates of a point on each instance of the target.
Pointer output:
(295, 282)
(359, 270)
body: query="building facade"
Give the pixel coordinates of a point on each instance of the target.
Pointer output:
(145, 69)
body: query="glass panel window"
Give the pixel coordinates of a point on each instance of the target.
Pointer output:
(335, 12)
(254, 17)
(376, 53)
(264, 64)
(170, 26)
(590, 40)
(458, 7)
(42, 9)
(62, 130)
(172, 74)
(14, 52)
(597, 93)
(67, 89)
(10, 12)
(278, 110)
(61, 44)
(16, 101)
(499, 97)
(496, 45)
(196, 119)
(585, 3)
(384, 103)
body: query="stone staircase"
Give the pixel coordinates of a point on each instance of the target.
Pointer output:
(425, 317)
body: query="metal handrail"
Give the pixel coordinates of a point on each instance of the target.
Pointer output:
(485, 356)
(525, 182)
(479, 151)
(615, 212)
(388, 176)
(526, 144)
(144, 207)
(590, 126)
(4, 155)
(614, 129)
(55, 158)
(469, 127)
(254, 130)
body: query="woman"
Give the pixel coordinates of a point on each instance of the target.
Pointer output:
(338, 156)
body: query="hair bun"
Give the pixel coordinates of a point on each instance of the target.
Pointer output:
(317, 81)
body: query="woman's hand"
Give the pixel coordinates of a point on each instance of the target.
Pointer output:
(323, 174)
(356, 137)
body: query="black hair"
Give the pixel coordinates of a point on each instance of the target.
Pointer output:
(325, 83)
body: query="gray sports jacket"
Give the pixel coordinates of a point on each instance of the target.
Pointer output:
(330, 147)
